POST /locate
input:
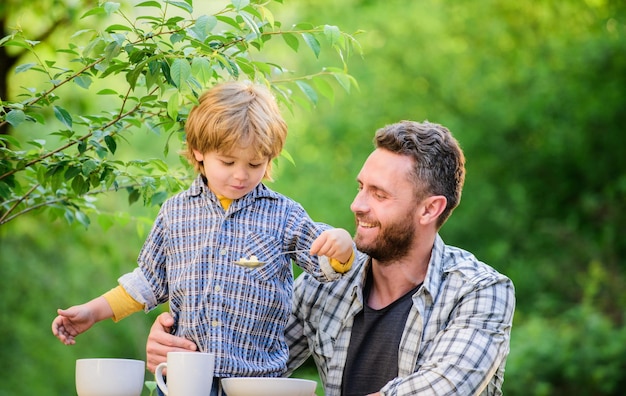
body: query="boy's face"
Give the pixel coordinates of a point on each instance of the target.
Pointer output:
(233, 174)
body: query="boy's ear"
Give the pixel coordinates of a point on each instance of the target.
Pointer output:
(198, 155)
(431, 208)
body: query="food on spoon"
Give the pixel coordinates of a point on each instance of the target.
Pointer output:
(252, 261)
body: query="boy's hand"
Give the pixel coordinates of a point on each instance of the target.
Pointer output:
(72, 322)
(334, 243)
(79, 318)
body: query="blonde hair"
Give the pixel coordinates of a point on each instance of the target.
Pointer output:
(234, 114)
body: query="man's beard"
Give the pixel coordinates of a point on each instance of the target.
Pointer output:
(393, 242)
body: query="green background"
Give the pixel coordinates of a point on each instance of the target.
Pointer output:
(534, 92)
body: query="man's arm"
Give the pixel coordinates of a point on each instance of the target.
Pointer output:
(294, 332)
(160, 341)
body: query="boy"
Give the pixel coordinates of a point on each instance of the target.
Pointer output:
(191, 257)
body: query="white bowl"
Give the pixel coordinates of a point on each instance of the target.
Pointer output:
(109, 377)
(268, 386)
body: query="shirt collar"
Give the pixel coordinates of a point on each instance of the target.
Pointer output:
(434, 273)
(199, 188)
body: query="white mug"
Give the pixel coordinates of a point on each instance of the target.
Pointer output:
(188, 374)
(109, 377)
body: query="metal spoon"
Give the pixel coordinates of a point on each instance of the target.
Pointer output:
(253, 262)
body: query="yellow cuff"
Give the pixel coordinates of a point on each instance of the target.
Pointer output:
(121, 303)
(342, 268)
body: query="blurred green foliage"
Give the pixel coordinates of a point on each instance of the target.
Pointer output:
(534, 93)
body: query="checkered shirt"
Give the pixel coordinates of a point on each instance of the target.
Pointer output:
(237, 313)
(455, 341)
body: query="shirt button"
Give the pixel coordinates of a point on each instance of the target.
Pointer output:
(215, 323)
(222, 252)
(217, 288)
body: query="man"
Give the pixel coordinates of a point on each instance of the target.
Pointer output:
(415, 316)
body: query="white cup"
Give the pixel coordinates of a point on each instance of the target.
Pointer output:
(188, 374)
(109, 377)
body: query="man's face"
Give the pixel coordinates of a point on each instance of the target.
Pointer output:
(385, 206)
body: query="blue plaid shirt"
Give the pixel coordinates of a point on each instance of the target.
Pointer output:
(455, 341)
(237, 313)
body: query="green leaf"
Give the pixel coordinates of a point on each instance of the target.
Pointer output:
(154, 4)
(79, 185)
(159, 164)
(285, 154)
(10, 140)
(94, 47)
(239, 4)
(93, 11)
(5, 190)
(24, 67)
(292, 41)
(16, 43)
(111, 7)
(203, 26)
(333, 34)
(183, 6)
(229, 21)
(117, 27)
(263, 67)
(172, 106)
(79, 32)
(89, 166)
(246, 66)
(133, 195)
(112, 50)
(107, 91)
(345, 80)
(312, 42)
(39, 143)
(227, 64)
(251, 24)
(94, 179)
(134, 74)
(159, 197)
(36, 117)
(151, 385)
(82, 147)
(324, 88)
(111, 144)
(165, 68)
(69, 216)
(72, 172)
(308, 91)
(201, 70)
(82, 219)
(180, 72)
(267, 15)
(62, 115)
(83, 81)
(15, 117)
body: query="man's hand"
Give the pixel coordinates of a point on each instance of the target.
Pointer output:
(160, 341)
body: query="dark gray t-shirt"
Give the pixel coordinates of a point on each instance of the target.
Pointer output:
(373, 351)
